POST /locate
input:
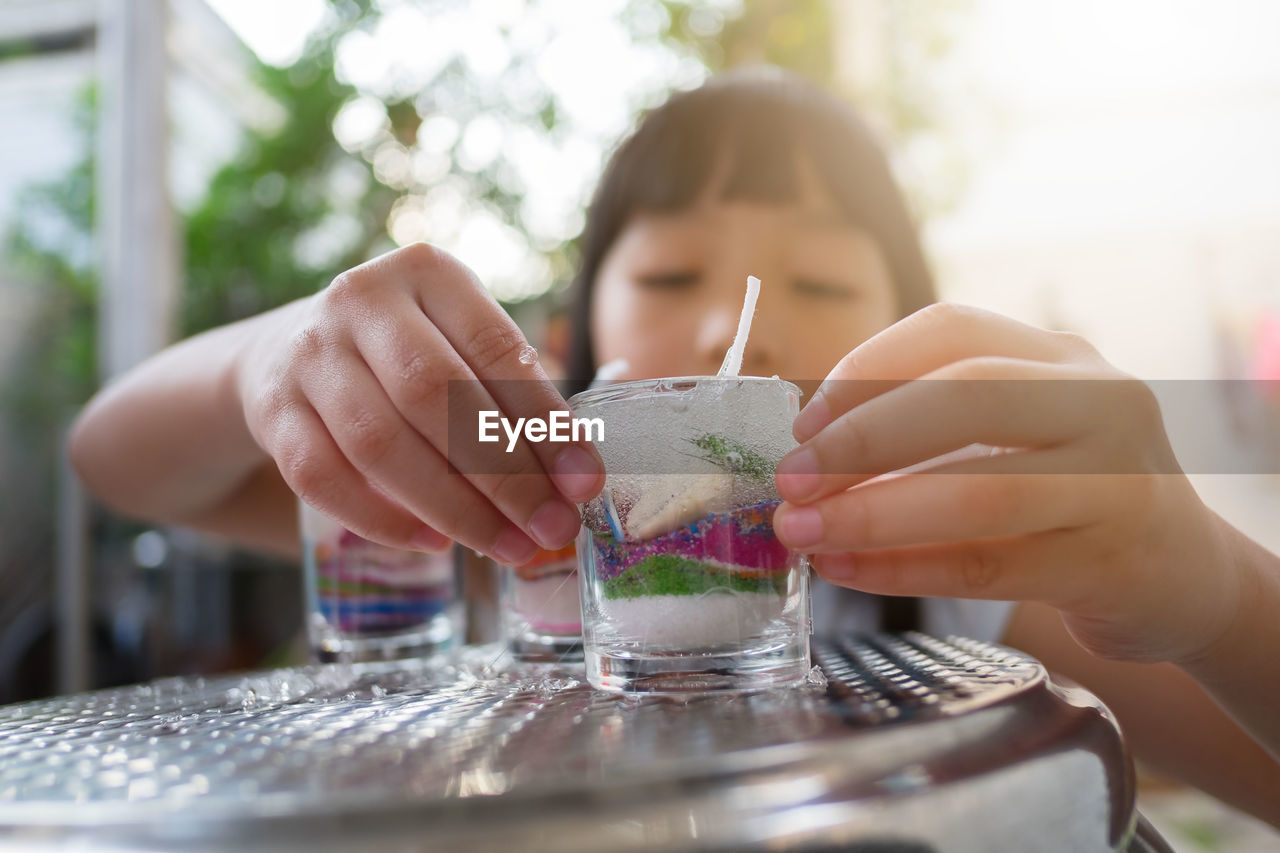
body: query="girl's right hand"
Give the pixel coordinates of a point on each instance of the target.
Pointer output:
(350, 396)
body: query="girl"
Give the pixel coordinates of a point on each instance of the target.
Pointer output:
(1162, 609)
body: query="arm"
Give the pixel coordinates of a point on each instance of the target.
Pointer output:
(343, 397)
(1170, 723)
(168, 442)
(1241, 669)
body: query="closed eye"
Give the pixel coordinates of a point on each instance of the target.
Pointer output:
(823, 289)
(670, 280)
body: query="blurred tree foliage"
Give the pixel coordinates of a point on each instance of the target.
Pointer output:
(794, 34)
(265, 233)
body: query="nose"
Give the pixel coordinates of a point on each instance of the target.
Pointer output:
(762, 356)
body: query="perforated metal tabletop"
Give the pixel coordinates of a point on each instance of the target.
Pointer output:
(897, 743)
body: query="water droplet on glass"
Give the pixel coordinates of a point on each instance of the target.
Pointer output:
(528, 355)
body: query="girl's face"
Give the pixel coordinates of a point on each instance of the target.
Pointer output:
(670, 290)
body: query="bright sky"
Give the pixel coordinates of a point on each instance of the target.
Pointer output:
(1088, 49)
(276, 31)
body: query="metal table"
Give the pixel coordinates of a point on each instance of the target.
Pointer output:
(898, 743)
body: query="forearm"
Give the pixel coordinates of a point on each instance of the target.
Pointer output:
(1242, 669)
(168, 441)
(1170, 722)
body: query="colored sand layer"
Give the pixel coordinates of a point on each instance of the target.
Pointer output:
(734, 551)
(670, 574)
(363, 587)
(742, 538)
(549, 563)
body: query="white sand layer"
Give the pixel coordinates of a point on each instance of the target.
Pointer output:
(690, 621)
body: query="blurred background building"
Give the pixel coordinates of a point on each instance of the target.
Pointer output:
(171, 165)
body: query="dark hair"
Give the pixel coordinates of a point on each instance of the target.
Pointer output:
(764, 120)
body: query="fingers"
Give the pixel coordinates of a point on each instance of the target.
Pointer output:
(978, 499)
(463, 315)
(385, 449)
(432, 388)
(320, 475)
(1046, 567)
(994, 401)
(922, 343)
(433, 374)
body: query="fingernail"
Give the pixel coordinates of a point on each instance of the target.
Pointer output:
(513, 548)
(834, 567)
(554, 524)
(799, 527)
(812, 418)
(575, 473)
(797, 475)
(430, 540)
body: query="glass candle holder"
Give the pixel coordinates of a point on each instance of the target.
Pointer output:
(541, 610)
(684, 585)
(365, 601)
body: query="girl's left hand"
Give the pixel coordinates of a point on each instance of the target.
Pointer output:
(1083, 506)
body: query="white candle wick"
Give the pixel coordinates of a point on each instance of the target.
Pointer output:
(732, 365)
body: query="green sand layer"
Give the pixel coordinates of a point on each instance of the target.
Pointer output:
(735, 457)
(671, 574)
